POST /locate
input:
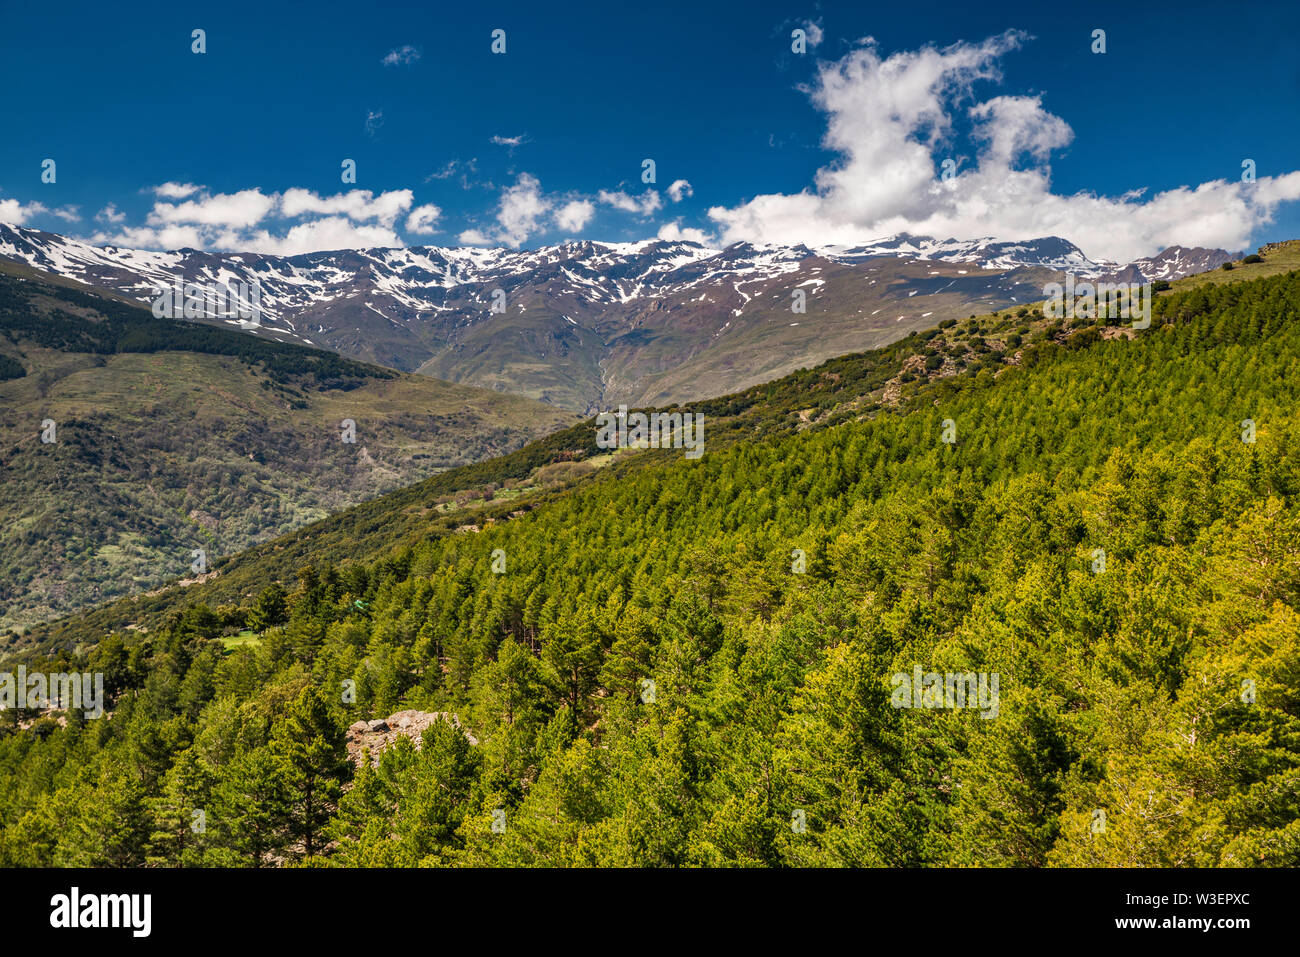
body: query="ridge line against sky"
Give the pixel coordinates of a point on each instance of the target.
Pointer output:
(933, 138)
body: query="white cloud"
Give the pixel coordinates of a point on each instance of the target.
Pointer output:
(510, 141)
(519, 214)
(680, 189)
(246, 208)
(402, 56)
(463, 168)
(147, 237)
(815, 33)
(374, 120)
(109, 214)
(475, 237)
(522, 205)
(12, 211)
(674, 232)
(890, 120)
(333, 232)
(574, 215)
(357, 204)
(176, 190)
(646, 205)
(20, 214)
(241, 221)
(423, 219)
(1011, 126)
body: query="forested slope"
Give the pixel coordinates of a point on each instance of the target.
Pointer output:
(1107, 535)
(169, 436)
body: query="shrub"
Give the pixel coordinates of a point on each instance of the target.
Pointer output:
(560, 472)
(11, 368)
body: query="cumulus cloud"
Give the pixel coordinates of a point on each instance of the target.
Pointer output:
(890, 120)
(12, 211)
(402, 56)
(333, 232)
(522, 206)
(358, 204)
(232, 210)
(20, 214)
(680, 189)
(151, 237)
(175, 190)
(575, 214)
(647, 204)
(815, 33)
(109, 214)
(519, 214)
(423, 219)
(674, 232)
(246, 221)
(525, 210)
(510, 141)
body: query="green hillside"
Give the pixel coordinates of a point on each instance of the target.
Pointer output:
(657, 677)
(172, 436)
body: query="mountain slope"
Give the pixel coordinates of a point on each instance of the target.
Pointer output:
(844, 390)
(588, 325)
(698, 662)
(170, 437)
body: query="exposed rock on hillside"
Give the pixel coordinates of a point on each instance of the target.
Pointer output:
(379, 733)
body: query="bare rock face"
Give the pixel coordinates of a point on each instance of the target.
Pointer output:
(379, 733)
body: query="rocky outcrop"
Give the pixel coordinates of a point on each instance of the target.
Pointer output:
(379, 733)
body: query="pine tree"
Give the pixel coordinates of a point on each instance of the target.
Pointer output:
(311, 749)
(270, 609)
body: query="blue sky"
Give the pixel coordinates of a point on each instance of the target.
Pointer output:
(456, 145)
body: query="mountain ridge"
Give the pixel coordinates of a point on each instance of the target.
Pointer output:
(587, 324)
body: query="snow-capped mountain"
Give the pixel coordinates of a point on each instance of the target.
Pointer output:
(590, 323)
(1173, 263)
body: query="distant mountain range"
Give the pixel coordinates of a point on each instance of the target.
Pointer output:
(587, 325)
